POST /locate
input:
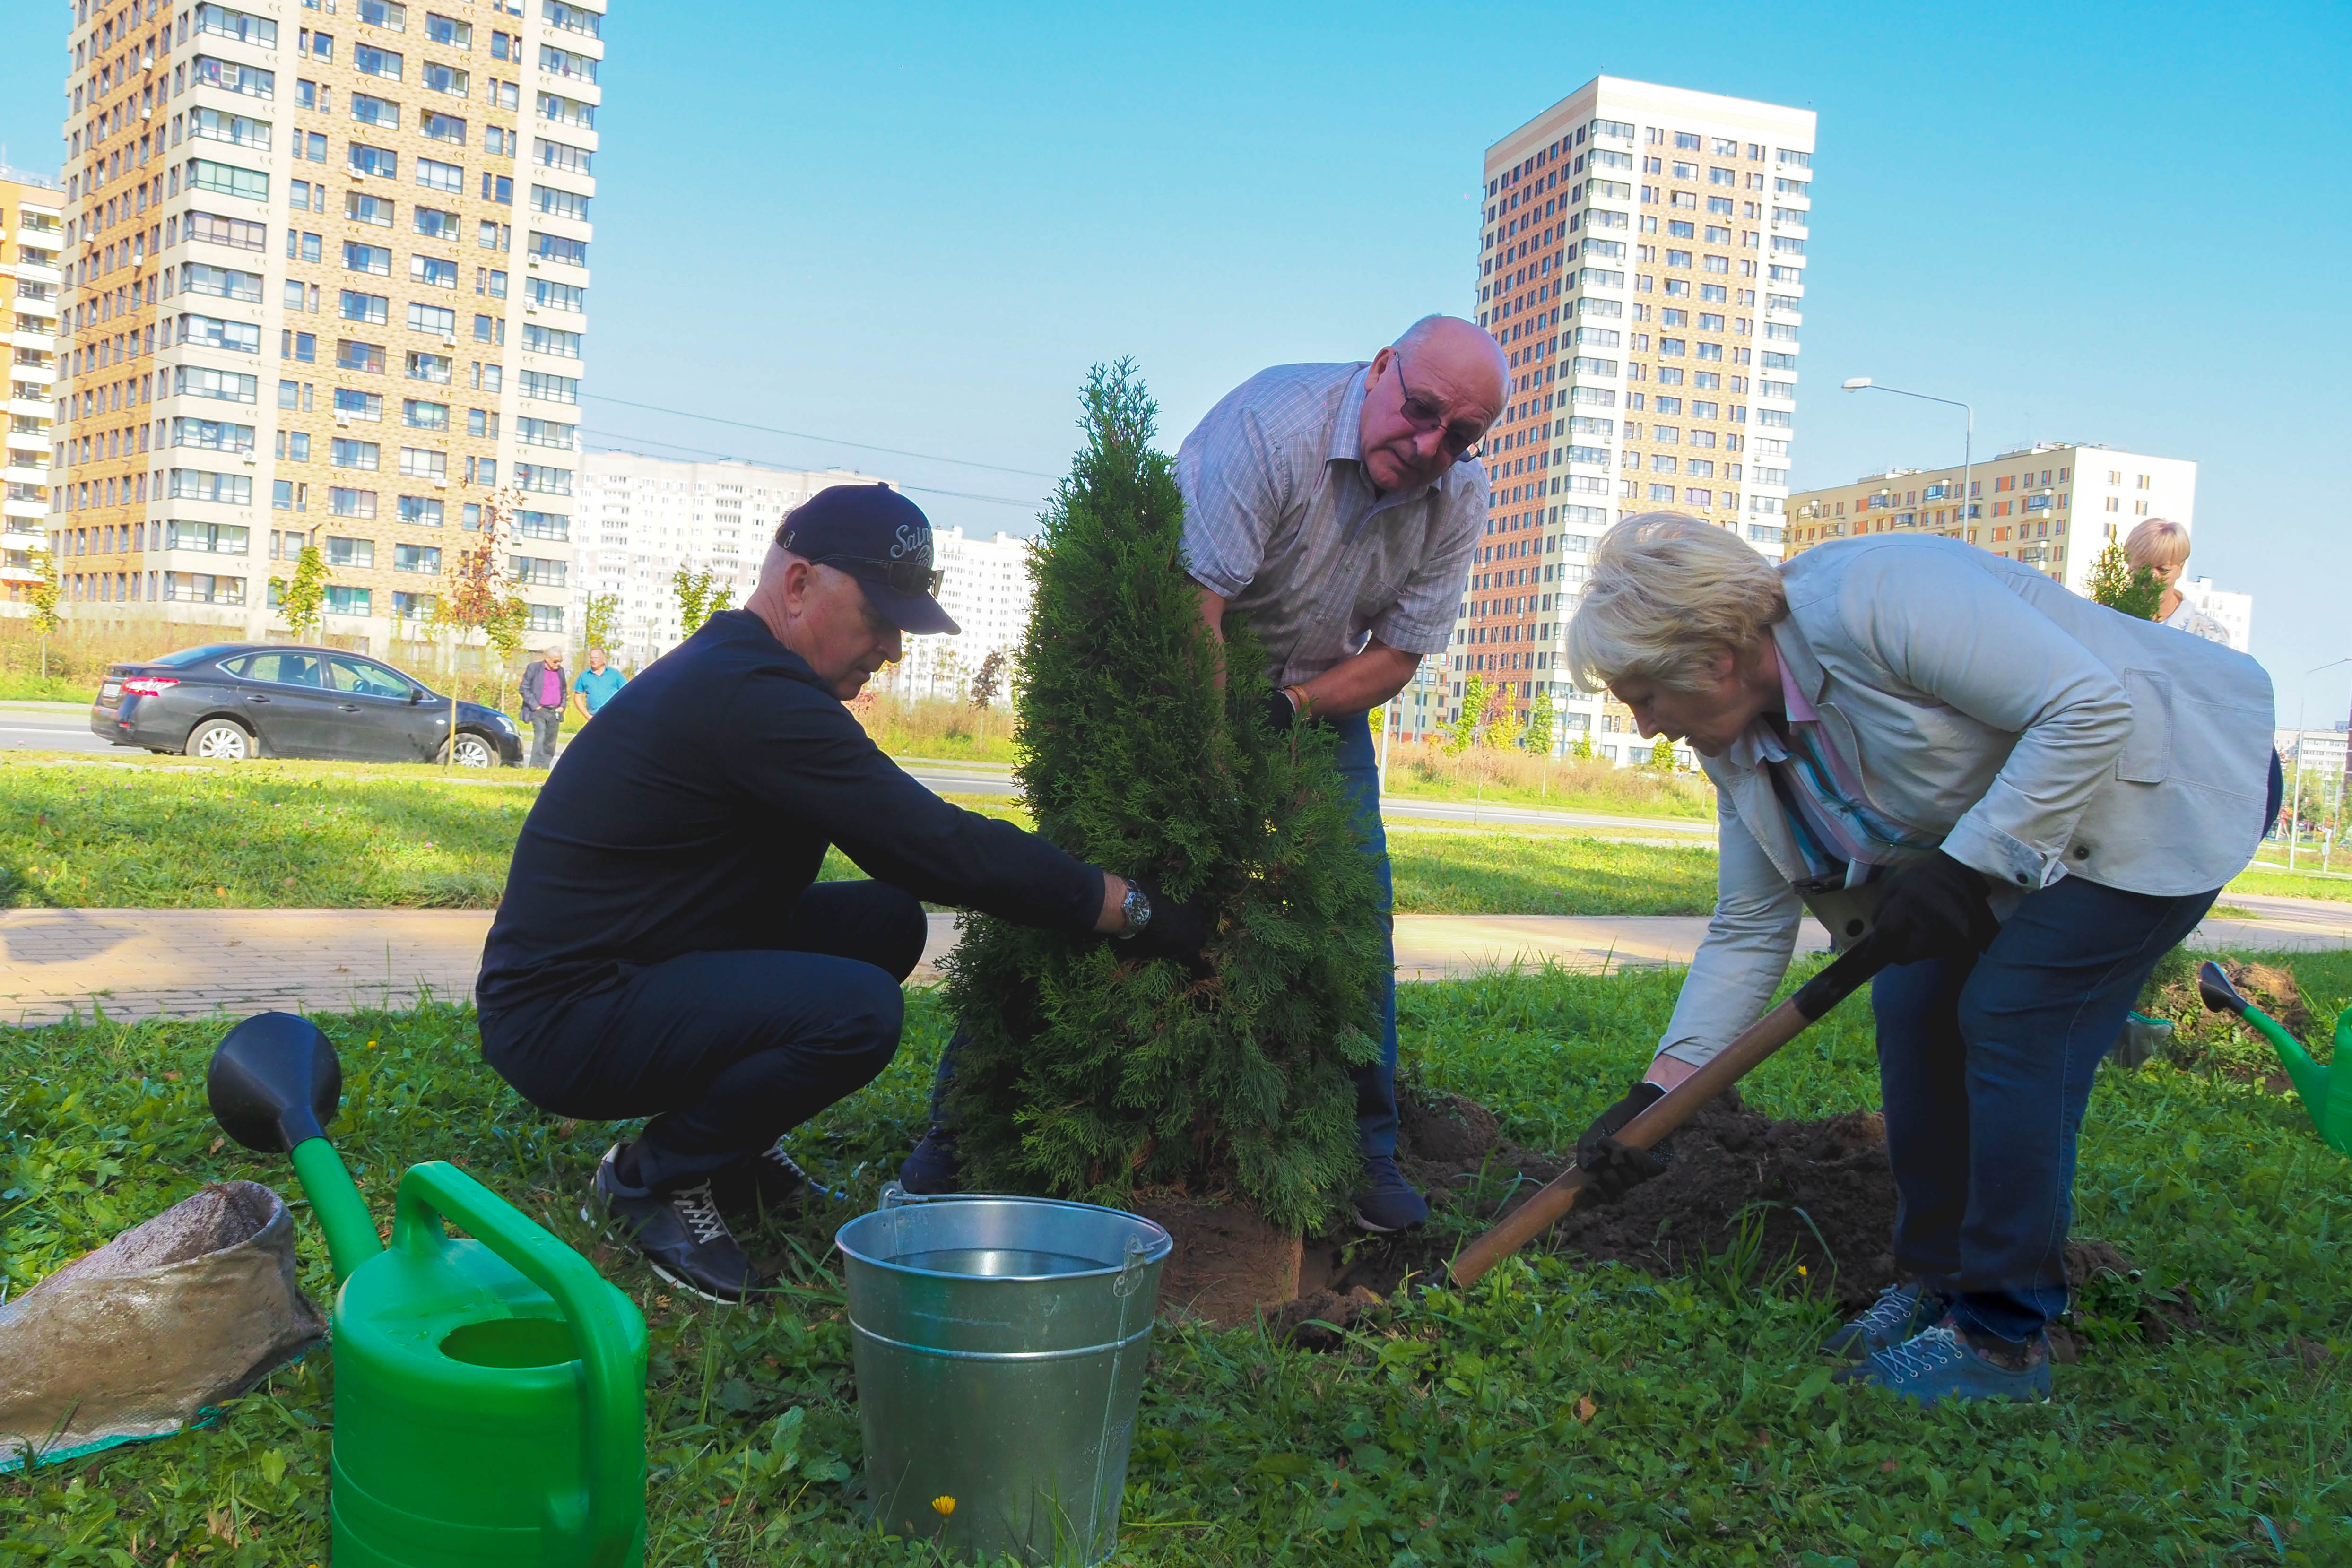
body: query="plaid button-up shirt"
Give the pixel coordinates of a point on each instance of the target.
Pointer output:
(1282, 522)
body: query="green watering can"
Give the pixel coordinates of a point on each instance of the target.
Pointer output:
(2331, 1113)
(490, 1393)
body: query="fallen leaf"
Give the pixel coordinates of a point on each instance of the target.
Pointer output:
(1586, 1409)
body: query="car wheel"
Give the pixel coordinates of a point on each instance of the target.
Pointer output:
(474, 751)
(224, 739)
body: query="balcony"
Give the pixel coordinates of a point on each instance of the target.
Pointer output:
(23, 371)
(31, 304)
(26, 508)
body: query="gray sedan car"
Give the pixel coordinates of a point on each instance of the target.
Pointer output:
(236, 700)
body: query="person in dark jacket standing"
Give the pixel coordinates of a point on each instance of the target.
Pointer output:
(664, 949)
(543, 690)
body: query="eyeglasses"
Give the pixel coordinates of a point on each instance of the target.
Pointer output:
(1460, 441)
(898, 576)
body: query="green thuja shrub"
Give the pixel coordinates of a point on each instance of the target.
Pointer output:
(1090, 1074)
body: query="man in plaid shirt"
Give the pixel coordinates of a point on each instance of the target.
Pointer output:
(1339, 506)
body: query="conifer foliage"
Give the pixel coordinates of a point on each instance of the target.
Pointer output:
(1090, 1074)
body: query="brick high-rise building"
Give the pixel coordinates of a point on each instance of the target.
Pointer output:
(32, 231)
(326, 276)
(2052, 505)
(1641, 260)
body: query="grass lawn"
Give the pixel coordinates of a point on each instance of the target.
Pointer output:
(2279, 882)
(1443, 872)
(319, 836)
(1554, 1413)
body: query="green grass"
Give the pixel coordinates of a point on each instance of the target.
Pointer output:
(1453, 1428)
(2279, 882)
(167, 834)
(1440, 872)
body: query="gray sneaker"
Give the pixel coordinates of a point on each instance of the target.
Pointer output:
(1900, 1311)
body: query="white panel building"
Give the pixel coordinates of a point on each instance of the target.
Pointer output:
(987, 589)
(642, 519)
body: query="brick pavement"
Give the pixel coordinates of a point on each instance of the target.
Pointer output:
(192, 962)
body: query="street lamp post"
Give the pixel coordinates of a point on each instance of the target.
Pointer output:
(2294, 812)
(1967, 449)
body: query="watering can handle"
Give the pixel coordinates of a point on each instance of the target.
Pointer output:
(615, 1482)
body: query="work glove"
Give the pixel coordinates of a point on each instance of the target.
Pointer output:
(1178, 927)
(1281, 713)
(1613, 1169)
(1937, 908)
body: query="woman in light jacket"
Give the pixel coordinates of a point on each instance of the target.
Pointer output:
(2022, 797)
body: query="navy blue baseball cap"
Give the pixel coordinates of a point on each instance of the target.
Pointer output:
(879, 538)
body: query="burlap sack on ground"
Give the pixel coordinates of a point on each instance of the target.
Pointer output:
(176, 1315)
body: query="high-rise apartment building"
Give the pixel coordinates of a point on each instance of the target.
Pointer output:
(1642, 261)
(642, 519)
(2053, 505)
(32, 232)
(984, 586)
(326, 280)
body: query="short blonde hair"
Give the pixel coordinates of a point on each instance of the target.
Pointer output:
(1668, 595)
(2159, 544)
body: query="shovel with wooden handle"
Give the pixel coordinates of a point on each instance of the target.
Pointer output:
(1760, 1040)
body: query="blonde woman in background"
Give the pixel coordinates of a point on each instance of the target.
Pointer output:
(2161, 546)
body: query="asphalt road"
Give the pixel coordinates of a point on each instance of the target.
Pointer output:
(37, 731)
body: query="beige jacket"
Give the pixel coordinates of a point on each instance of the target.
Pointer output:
(2039, 734)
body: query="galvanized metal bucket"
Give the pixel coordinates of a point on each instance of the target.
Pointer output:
(1000, 1346)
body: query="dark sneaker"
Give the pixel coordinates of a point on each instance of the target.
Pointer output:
(1941, 1363)
(766, 1186)
(1900, 1311)
(931, 1168)
(1385, 1201)
(681, 1234)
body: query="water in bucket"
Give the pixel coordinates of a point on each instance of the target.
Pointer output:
(1000, 1345)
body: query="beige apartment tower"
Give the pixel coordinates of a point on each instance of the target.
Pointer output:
(32, 231)
(325, 279)
(1641, 260)
(2052, 505)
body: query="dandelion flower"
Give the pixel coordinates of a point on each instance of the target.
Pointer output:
(943, 1506)
(1801, 1269)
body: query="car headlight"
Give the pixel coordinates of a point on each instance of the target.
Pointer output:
(505, 724)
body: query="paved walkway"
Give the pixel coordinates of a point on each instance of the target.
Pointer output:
(192, 962)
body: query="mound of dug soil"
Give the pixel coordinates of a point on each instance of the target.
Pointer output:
(1819, 1193)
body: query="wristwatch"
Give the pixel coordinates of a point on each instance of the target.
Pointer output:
(1136, 909)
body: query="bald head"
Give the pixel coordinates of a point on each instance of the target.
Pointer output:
(1427, 397)
(1460, 348)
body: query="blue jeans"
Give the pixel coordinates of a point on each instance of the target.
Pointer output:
(1360, 774)
(1376, 1109)
(725, 1051)
(1985, 1066)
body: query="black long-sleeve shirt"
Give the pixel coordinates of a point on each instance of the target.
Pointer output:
(693, 812)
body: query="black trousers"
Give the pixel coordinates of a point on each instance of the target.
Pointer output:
(725, 1051)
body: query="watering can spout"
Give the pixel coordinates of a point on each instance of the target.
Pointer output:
(2331, 1113)
(274, 1085)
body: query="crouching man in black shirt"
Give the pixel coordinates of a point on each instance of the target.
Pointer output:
(661, 950)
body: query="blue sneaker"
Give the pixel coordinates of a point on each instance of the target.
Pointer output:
(1900, 1311)
(1940, 1363)
(931, 1168)
(1385, 1201)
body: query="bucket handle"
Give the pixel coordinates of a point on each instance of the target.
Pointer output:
(612, 1446)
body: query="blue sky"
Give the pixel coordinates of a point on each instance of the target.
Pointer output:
(915, 227)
